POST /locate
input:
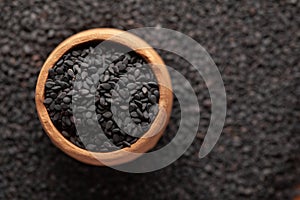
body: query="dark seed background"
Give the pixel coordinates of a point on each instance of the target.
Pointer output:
(255, 45)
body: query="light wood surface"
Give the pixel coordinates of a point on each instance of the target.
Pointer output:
(165, 102)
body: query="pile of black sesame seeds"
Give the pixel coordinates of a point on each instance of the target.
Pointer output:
(102, 97)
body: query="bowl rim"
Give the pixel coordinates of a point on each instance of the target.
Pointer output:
(165, 101)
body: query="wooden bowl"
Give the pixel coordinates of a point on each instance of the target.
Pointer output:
(159, 124)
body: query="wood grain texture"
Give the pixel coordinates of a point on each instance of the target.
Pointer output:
(157, 128)
(297, 193)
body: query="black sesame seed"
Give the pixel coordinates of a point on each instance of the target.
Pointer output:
(84, 75)
(138, 103)
(75, 53)
(71, 73)
(78, 85)
(131, 86)
(60, 70)
(95, 77)
(124, 107)
(137, 120)
(84, 91)
(132, 107)
(116, 130)
(90, 122)
(105, 86)
(127, 144)
(152, 84)
(124, 93)
(139, 112)
(88, 115)
(108, 125)
(61, 95)
(49, 84)
(137, 73)
(67, 100)
(156, 93)
(69, 62)
(48, 101)
(53, 95)
(84, 65)
(153, 99)
(89, 81)
(60, 62)
(144, 90)
(65, 133)
(57, 107)
(67, 121)
(77, 69)
(64, 106)
(107, 114)
(92, 70)
(56, 87)
(134, 114)
(144, 105)
(106, 78)
(116, 138)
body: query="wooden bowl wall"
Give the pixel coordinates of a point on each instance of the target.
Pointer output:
(165, 101)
